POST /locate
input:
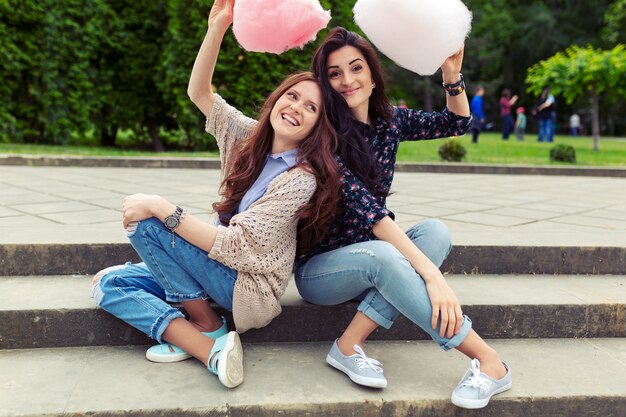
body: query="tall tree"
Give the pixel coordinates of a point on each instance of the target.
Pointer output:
(579, 71)
(21, 33)
(614, 30)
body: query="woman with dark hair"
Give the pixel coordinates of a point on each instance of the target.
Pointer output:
(280, 182)
(506, 102)
(365, 255)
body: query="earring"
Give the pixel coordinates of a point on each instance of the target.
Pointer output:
(373, 85)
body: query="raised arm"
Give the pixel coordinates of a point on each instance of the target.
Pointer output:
(199, 89)
(453, 121)
(450, 71)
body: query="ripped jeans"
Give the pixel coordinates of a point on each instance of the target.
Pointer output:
(379, 276)
(140, 293)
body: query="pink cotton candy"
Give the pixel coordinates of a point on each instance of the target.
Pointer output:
(416, 34)
(277, 25)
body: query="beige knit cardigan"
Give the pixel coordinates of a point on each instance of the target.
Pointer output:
(259, 243)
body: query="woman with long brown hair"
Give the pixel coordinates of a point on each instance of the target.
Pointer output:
(279, 190)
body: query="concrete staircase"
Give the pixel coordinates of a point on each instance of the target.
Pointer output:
(559, 325)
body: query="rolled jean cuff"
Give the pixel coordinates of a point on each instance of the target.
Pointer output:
(162, 322)
(174, 297)
(457, 339)
(374, 315)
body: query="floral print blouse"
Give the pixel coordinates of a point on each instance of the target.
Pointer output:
(361, 210)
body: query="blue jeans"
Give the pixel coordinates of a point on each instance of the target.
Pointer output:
(507, 126)
(139, 294)
(379, 275)
(546, 130)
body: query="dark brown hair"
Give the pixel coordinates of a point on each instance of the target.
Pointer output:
(353, 149)
(315, 154)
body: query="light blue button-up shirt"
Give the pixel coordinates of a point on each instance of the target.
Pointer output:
(275, 164)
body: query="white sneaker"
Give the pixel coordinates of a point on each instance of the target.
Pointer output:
(167, 352)
(359, 368)
(476, 388)
(226, 360)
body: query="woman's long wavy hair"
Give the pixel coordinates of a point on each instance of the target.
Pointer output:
(315, 154)
(354, 149)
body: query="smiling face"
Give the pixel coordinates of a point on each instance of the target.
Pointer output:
(296, 112)
(350, 75)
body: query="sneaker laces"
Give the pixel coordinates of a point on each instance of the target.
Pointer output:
(364, 362)
(475, 380)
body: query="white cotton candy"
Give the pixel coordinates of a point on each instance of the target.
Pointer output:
(416, 34)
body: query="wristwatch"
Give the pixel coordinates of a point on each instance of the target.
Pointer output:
(173, 220)
(456, 88)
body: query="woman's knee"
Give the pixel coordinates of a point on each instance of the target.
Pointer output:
(101, 287)
(436, 229)
(108, 281)
(432, 237)
(144, 234)
(137, 228)
(103, 276)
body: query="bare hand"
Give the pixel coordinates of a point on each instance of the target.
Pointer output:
(138, 207)
(451, 67)
(445, 306)
(221, 14)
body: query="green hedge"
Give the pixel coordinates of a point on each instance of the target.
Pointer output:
(82, 71)
(115, 72)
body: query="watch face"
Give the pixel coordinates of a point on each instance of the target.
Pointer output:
(171, 222)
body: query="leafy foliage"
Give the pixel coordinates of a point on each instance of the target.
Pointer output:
(81, 71)
(582, 71)
(509, 36)
(578, 70)
(615, 18)
(47, 67)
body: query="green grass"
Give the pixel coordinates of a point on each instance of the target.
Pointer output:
(22, 149)
(491, 149)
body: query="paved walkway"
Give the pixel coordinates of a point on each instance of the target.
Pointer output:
(83, 205)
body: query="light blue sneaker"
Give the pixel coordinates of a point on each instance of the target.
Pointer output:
(167, 352)
(359, 368)
(226, 360)
(476, 388)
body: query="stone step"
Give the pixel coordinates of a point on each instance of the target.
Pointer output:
(88, 258)
(214, 163)
(551, 377)
(56, 311)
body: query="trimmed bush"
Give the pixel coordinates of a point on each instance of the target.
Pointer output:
(563, 153)
(452, 151)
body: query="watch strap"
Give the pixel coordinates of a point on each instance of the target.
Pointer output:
(456, 88)
(177, 215)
